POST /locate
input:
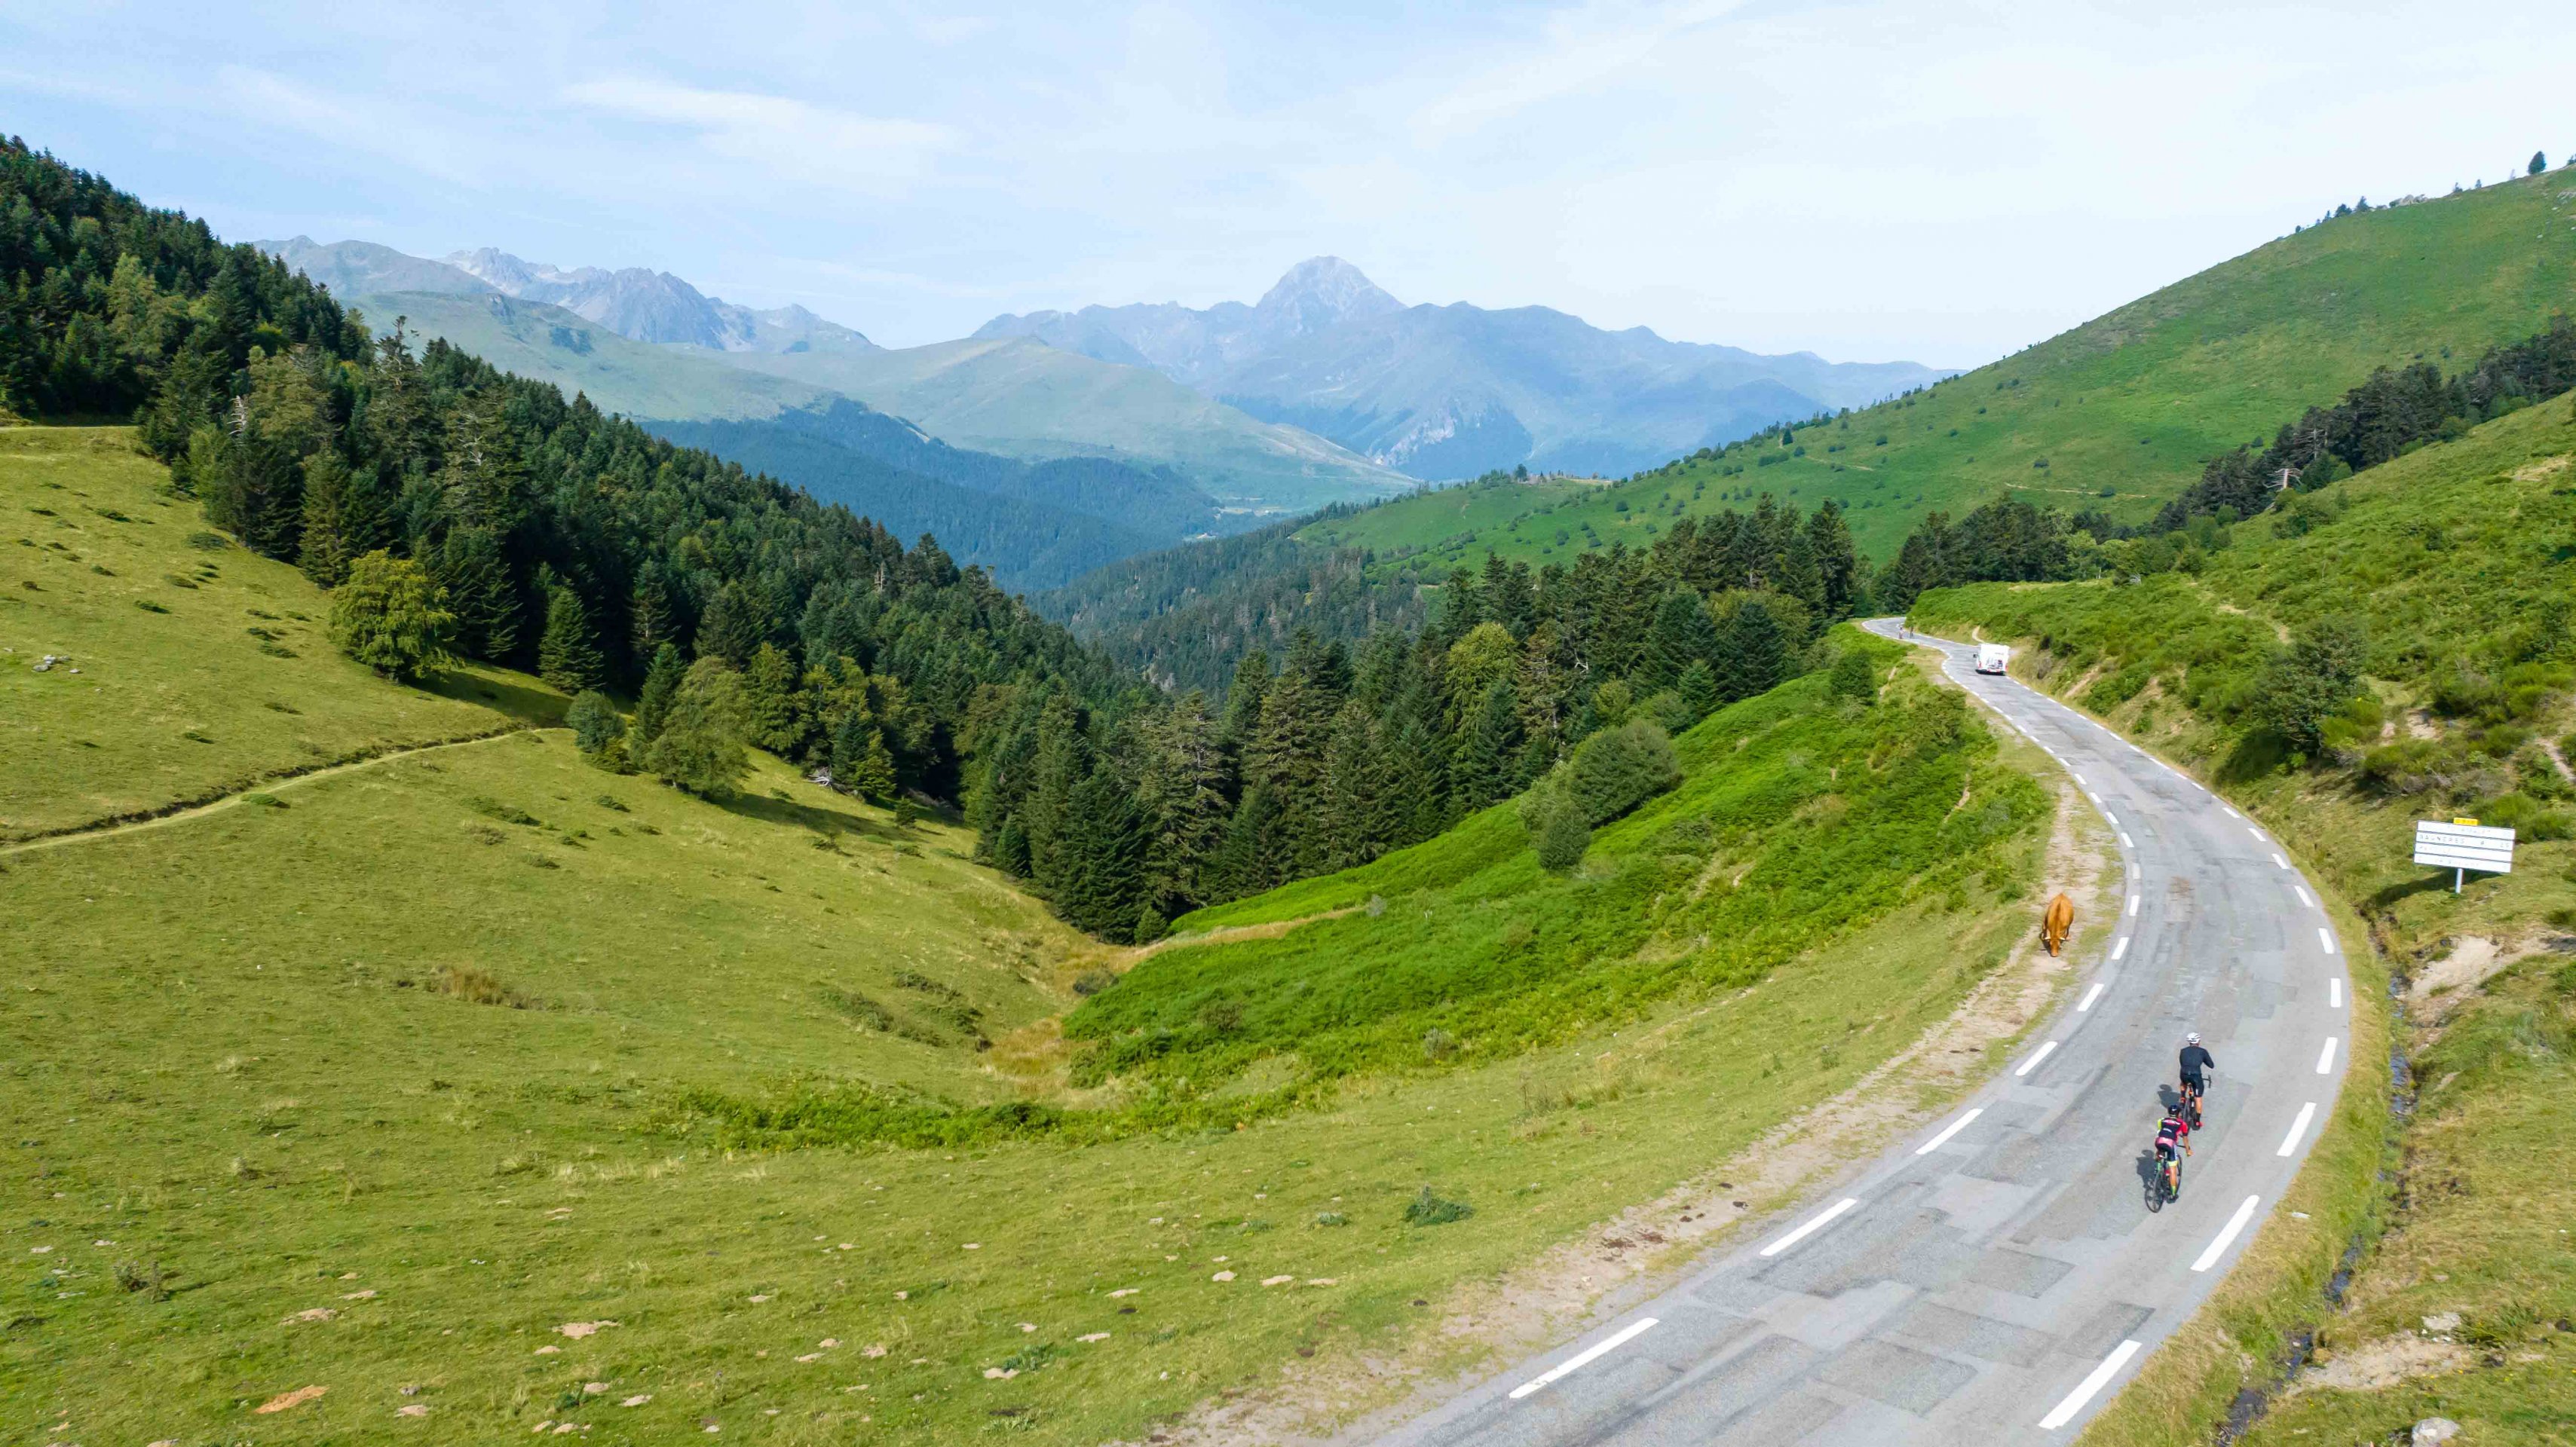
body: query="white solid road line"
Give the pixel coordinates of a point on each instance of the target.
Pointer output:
(2334, 993)
(2326, 937)
(1818, 1223)
(2085, 1390)
(2032, 1063)
(1586, 1357)
(2119, 949)
(2090, 996)
(2325, 1057)
(2227, 1236)
(2277, 859)
(2133, 906)
(2298, 1128)
(2303, 897)
(1956, 1126)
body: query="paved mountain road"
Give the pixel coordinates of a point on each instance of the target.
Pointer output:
(1997, 1278)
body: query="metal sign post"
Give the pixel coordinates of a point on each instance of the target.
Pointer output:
(2463, 845)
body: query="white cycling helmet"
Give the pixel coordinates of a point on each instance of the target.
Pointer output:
(2191, 1039)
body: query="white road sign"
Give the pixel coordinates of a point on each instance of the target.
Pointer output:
(2464, 846)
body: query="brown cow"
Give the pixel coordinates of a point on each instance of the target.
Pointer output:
(2057, 923)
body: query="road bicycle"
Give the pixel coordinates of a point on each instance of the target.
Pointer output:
(2191, 1105)
(2167, 1185)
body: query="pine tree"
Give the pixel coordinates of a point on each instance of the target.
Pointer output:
(1286, 759)
(1182, 791)
(1837, 559)
(1351, 831)
(861, 764)
(661, 684)
(732, 627)
(1415, 803)
(1754, 656)
(566, 658)
(1482, 771)
(1062, 762)
(771, 714)
(325, 543)
(1698, 689)
(1101, 854)
(1683, 635)
(1245, 863)
(2539, 162)
(481, 591)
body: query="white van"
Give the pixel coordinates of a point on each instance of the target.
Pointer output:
(1993, 657)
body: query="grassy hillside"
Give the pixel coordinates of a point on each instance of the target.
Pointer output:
(550, 344)
(397, 1081)
(2119, 413)
(1799, 816)
(192, 667)
(2458, 562)
(1025, 399)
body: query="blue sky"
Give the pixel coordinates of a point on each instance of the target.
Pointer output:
(1939, 181)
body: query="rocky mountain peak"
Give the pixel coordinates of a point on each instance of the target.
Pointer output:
(1322, 292)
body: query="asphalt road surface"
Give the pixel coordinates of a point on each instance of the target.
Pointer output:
(1997, 1277)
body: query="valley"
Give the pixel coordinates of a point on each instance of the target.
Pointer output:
(579, 858)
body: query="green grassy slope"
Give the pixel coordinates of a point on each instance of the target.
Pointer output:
(1799, 816)
(2123, 409)
(579, 355)
(2460, 559)
(249, 1050)
(1025, 399)
(201, 667)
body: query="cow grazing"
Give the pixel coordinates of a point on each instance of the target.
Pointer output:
(2057, 923)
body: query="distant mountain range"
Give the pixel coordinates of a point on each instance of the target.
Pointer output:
(1451, 391)
(647, 306)
(650, 345)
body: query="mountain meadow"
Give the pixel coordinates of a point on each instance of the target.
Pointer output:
(521, 926)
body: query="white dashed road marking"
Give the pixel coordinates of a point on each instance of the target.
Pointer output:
(1954, 1127)
(2119, 949)
(2298, 1128)
(2277, 859)
(2090, 996)
(2303, 897)
(2325, 1057)
(2085, 1390)
(2326, 938)
(1586, 1357)
(2227, 1236)
(2032, 1063)
(2133, 906)
(2127, 843)
(1818, 1223)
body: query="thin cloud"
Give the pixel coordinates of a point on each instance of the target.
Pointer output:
(790, 138)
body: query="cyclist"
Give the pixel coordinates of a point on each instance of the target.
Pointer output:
(2173, 1137)
(2196, 1065)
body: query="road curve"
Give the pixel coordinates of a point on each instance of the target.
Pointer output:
(1997, 1277)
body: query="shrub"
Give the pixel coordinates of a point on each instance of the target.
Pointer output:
(1618, 769)
(1092, 982)
(1427, 1209)
(1854, 676)
(389, 616)
(476, 986)
(2531, 820)
(595, 722)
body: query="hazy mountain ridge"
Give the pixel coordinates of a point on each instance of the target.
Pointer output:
(636, 303)
(1452, 391)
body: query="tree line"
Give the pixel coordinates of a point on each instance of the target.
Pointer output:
(1335, 753)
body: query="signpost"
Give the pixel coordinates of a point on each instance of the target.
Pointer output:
(2463, 845)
